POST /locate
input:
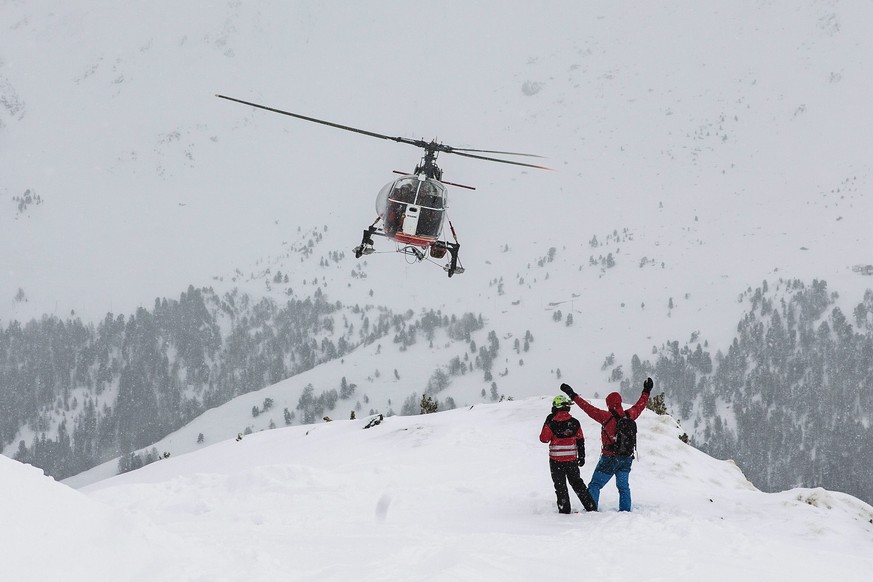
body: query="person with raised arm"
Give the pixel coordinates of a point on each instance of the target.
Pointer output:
(618, 438)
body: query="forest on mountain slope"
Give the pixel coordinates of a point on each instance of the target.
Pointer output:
(92, 393)
(789, 400)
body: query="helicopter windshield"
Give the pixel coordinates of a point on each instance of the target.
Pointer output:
(411, 206)
(410, 190)
(431, 194)
(404, 190)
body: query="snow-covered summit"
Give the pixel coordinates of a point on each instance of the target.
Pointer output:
(458, 495)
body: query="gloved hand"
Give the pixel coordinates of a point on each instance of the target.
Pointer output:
(565, 388)
(648, 385)
(580, 461)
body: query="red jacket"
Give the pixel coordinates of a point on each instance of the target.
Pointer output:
(564, 435)
(606, 418)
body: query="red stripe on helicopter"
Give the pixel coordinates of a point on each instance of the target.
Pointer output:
(419, 241)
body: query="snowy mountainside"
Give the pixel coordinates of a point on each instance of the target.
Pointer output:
(699, 147)
(704, 148)
(466, 494)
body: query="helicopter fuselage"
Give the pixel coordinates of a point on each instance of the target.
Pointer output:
(413, 209)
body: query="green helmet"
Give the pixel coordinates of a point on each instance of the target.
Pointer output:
(560, 401)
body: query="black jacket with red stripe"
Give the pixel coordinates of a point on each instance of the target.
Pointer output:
(565, 438)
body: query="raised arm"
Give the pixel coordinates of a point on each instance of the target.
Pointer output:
(637, 409)
(595, 413)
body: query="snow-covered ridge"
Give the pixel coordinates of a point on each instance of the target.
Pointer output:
(459, 495)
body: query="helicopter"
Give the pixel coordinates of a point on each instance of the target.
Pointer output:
(411, 210)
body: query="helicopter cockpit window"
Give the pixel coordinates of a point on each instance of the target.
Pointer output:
(430, 195)
(430, 222)
(393, 217)
(404, 190)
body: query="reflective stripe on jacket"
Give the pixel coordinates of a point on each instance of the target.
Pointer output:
(564, 435)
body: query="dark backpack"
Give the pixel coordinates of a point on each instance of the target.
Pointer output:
(625, 440)
(563, 428)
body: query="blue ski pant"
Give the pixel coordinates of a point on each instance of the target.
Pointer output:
(603, 472)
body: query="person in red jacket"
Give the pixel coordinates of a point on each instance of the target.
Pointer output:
(610, 462)
(566, 454)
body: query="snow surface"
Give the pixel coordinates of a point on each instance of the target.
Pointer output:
(457, 495)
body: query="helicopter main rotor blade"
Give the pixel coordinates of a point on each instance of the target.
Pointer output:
(451, 149)
(431, 146)
(457, 153)
(417, 143)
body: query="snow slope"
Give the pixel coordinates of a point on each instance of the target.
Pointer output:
(458, 495)
(51, 532)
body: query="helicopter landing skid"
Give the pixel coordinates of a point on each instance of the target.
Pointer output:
(437, 250)
(456, 271)
(362, 250)
(366, 246)
(412, 251)
(454, 266)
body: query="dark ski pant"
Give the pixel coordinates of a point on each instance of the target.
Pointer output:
(563, 471)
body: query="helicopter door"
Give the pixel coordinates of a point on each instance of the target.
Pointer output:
(410, 223)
